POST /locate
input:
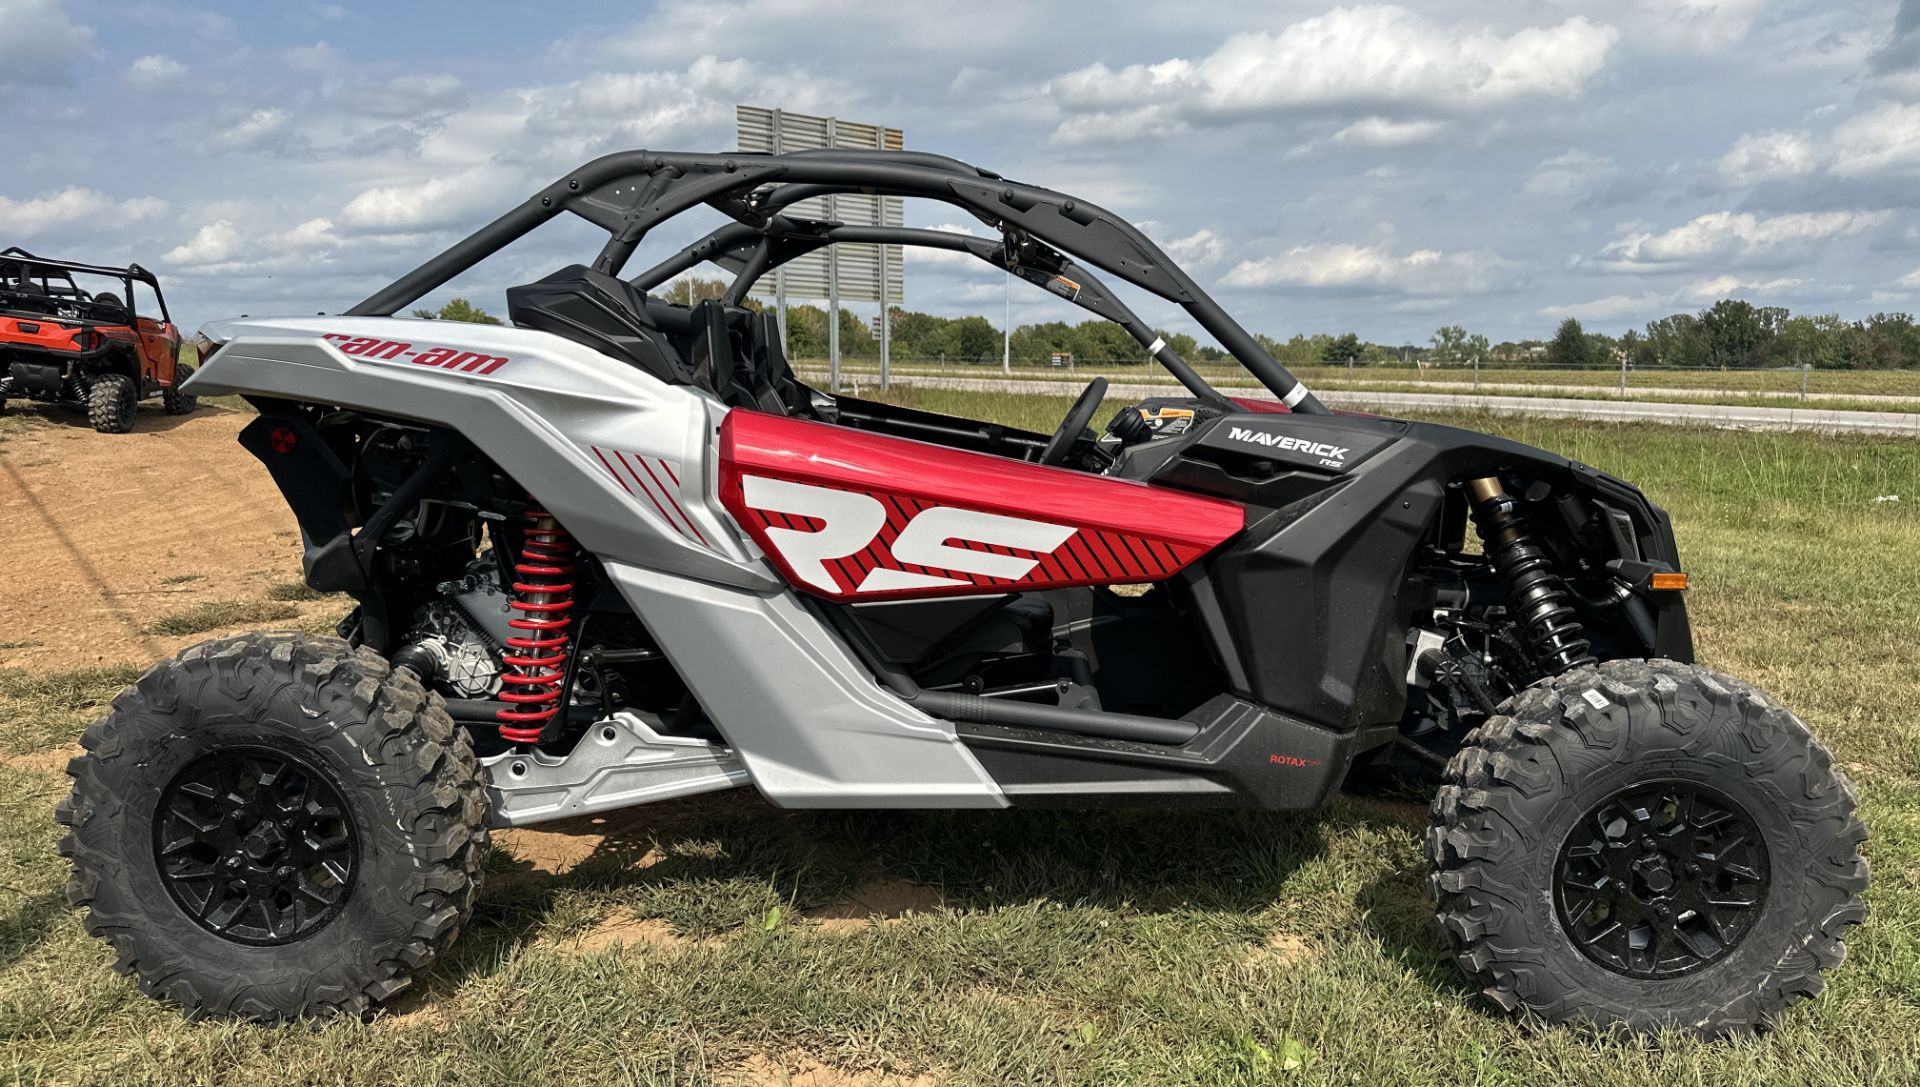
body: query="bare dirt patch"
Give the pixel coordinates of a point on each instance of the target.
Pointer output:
(109, 526)
(801, 1070)
(54, 761)
(623, 928)
(878, 901)
(1285, 949)
(616, 840)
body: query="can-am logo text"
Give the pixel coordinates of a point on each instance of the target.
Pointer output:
(444, 358)
(1332, 455)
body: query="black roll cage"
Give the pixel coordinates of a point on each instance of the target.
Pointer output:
(129, 275)
(629, 193)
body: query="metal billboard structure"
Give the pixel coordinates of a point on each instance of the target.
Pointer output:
(854, 272)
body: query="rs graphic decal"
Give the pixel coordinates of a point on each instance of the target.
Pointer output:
(858, 532)
(653, 481)
(851, 515)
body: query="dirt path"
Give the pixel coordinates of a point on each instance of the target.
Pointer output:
(95, 525)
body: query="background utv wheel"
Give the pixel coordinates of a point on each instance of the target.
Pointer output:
(175, 401)
(275, 826)
(110, 401)
(1647, 845)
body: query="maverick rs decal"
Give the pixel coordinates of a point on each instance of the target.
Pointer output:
(1333, 456)
(1327, 446)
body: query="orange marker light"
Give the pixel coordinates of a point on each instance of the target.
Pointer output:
(1669, 582)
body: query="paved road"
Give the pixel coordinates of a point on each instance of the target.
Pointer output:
(1724, 415)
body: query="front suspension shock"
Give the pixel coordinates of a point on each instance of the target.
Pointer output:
(535, 660)
(1539, 594)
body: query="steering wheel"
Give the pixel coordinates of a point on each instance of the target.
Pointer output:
(1076, 421)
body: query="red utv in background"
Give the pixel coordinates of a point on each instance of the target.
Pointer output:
(61, 343)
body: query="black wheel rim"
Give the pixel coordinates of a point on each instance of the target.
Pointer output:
(256, 846)
(1662, 879)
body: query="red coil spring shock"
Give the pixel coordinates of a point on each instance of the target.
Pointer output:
(536, 660)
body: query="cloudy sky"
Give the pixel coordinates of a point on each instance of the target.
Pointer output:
(1383, 169)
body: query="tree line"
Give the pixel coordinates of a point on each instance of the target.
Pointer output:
(1729, 334)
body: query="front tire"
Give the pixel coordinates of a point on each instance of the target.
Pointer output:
(175, 401)
(274, 827)
(1646, 845)
(110, 402)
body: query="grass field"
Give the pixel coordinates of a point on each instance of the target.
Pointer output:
(722, 941)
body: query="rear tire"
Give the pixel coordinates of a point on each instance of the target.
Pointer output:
(1646, 845)
(361, 871)
(175, 401)
(110, 402)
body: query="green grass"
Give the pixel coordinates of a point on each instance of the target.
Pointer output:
(1077, 948)
(217, 614)
(293, 589)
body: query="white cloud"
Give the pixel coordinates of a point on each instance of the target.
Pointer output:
(399, 208)
(1384, 132)
(215, 243)
(1601, 309)
(1713, 288)
(264, 129)
(1372, 269)
(40, 43)
(1573, 173)
(73, 206)
(220, 248)
(1731, 238)
(154, 71)
(1699, 25)
(1769, 156)
(1692, 295)
(1196, 250)
(1881, 141)
(620, 110)
(922, 255)
(1389, 62)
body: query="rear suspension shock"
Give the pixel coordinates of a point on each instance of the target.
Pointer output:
(535, 660)
(1539, 594)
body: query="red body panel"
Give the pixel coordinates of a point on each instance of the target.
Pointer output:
(48, 334)
(1084, 529)
(1260, 407)
(156, 345)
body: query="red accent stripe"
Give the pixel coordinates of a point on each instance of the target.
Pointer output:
(622, 457)
(668, 494)
(609, 467)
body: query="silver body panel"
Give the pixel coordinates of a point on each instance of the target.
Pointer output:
(628, 464)
(620, 762)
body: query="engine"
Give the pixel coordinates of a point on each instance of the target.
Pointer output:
(454, 643)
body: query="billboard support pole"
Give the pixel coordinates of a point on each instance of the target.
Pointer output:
(1006, 332)
(833, 281)
(886, 319)
(780, 273)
